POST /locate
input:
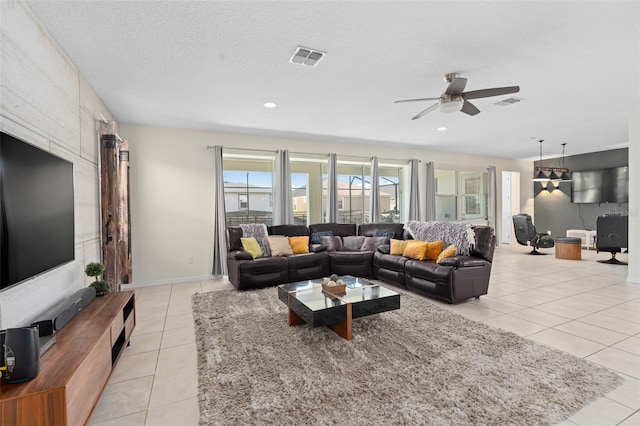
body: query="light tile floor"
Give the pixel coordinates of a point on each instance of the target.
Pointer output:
(581, 307)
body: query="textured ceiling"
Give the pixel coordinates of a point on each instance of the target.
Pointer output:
(212, 65)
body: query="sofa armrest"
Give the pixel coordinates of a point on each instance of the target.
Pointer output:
(463, 261)
(239, 255)
(317, 248)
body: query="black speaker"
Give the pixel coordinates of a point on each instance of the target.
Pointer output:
(56, 318)
(21, 351)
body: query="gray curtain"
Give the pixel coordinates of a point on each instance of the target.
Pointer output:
(431, 191)
(332, 190)
(374, 199)
(414, 193)
(282, 197)
(219, 223)
(492, 202)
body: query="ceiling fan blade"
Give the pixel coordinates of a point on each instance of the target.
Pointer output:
(469, 108)
(486, 93)
(417, 100)
(456, 86)
(427, 111)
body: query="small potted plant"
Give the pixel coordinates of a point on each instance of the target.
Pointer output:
(95, 269)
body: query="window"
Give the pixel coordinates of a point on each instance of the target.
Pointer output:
(248, 192)
(354, 191)
(390, 192)
(306, 188)
(461, 195)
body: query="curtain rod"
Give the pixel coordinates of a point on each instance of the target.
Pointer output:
(106, 122)
(311, 153)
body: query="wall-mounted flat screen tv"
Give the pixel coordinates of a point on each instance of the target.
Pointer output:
(601, 186)
(36, 211)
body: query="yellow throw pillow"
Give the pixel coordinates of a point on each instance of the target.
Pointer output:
(398, 246)
(450, 251)
(299, 245)
(252, 247)
(279, 245)
(434, 249)
(415, 250)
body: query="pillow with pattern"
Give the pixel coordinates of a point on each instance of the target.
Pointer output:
(259, 232)
(333, 243)
(387, 234)
(315, 237)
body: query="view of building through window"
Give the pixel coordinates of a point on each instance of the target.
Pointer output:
(461, 195)
(248, 187)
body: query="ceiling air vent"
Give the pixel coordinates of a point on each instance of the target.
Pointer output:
(306, 56)
(508, 101)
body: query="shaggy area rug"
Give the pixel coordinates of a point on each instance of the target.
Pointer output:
(420, 365)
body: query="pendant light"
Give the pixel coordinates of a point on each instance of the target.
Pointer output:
(540, 176)
(565, 177)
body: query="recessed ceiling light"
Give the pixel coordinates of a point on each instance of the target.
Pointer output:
(269, 105)
(441, 129)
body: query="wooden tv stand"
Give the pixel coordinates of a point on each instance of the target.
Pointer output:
(74, 372)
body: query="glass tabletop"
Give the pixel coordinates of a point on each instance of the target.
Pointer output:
(357, 290)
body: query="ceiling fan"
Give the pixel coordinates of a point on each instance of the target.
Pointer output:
(454, 99)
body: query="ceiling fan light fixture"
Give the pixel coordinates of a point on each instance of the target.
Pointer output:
(452, 105)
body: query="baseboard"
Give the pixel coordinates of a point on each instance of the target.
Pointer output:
(171, 281)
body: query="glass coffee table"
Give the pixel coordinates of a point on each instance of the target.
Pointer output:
(309, 304)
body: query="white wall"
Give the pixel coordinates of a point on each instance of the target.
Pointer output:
(172, 191)
(46, 102)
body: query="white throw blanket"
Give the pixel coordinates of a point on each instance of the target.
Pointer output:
(460, 234)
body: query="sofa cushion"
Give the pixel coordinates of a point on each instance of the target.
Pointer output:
(370, 229)
(434, 248)
(233, 238)
(484, 242)
(299, 244)
(259, 232)
(415, 250)
(353, 242)
(372, 243)
(252, 247)
(315, 237)
(332, 243)
(450, 251)
(339, 229)
(289, 230)
(309, 266)
(356, 263)
(398, 246)
(279, 245)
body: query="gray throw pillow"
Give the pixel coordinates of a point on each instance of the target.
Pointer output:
(332, 243)
(372, 243)
(353, 243)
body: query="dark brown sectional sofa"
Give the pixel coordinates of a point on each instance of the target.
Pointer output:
(452, 280)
